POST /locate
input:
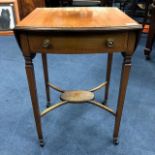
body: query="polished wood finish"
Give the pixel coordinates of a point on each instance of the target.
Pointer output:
(45, 69)
(108, 74)
(53, 107)
(77, 18)
(98, 87)
(126, 66)
(33, 92)
(77, 96)
(68, 43)
(151, 34)
(55, 87)
(98, 104)
(78, 30)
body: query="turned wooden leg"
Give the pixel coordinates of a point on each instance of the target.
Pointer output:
(45, 70)
(126, 66)
(34, 99)
(109, 66)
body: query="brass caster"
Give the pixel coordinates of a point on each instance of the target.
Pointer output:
(41, 142)
(115, 141)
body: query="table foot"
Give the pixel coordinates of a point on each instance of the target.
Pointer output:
(41, 142)
(104, 102)
(147, 57)
(115, 141)
(48, 104)
(147, 52)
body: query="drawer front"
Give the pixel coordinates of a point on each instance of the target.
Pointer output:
(78, 43)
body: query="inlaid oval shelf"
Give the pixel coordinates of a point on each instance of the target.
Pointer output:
(77, 96)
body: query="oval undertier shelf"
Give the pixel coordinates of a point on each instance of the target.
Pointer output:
(77, 96)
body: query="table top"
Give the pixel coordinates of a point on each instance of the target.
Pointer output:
(78, 18)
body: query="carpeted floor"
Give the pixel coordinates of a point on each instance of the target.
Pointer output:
(76, 129)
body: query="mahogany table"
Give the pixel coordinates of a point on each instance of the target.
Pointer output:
(77, 31)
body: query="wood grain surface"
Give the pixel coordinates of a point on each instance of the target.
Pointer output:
(78, 17)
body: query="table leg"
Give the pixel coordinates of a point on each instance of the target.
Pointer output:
(149, 43)
(126, 66)
(108, 73)
(151, 34)
(46, 79)
(34, 99)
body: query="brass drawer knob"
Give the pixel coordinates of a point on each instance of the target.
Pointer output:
(46, 43)
(110, 43)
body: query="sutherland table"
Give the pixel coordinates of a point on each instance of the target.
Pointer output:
(77, 31)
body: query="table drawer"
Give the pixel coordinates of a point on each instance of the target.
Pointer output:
(78, 43)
